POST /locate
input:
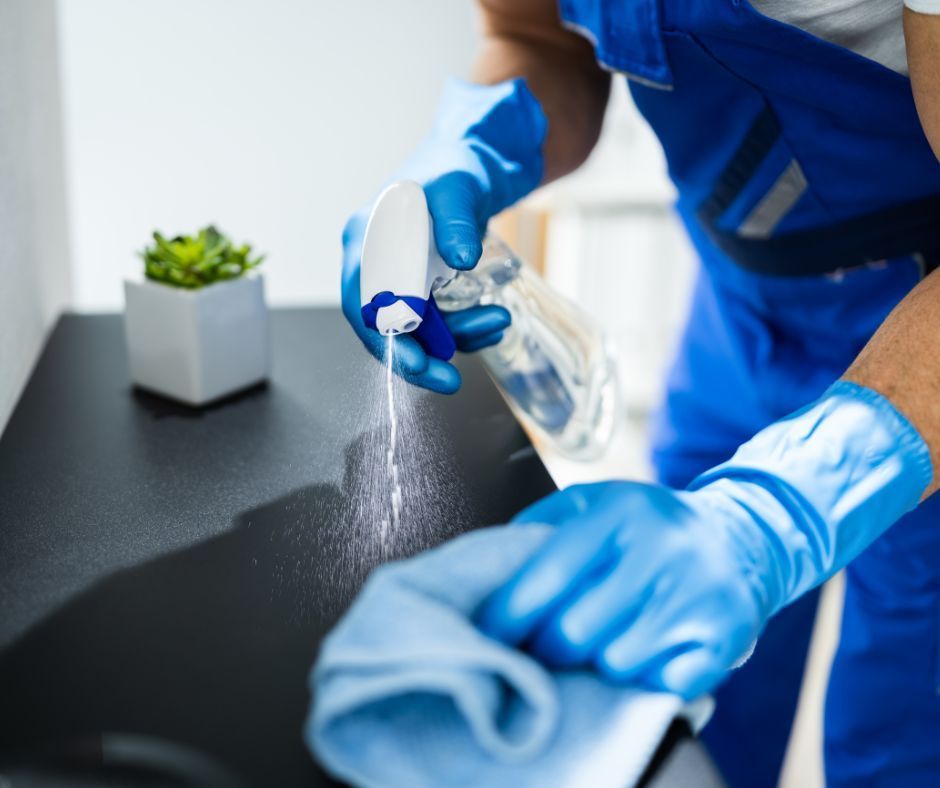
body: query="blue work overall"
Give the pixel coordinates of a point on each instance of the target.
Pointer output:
(813, 199)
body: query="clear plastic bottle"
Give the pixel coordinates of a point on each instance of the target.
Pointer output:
(554, 362)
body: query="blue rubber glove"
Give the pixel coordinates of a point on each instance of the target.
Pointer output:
(670, 589)
(484, 153)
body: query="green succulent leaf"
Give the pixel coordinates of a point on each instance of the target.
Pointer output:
(190, 262)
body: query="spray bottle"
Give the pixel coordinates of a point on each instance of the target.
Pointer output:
(553, 365)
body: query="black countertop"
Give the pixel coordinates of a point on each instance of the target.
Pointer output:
(170, 572)
(166, 574)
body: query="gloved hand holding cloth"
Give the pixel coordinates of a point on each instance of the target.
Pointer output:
(667, 589)
(408, 692)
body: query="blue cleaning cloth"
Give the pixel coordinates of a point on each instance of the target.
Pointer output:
(407, 691)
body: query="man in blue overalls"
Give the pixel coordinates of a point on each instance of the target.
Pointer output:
(801, 424)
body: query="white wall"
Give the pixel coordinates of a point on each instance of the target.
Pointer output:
(273, 118)
(34, 272)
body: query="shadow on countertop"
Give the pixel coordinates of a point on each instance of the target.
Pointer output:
(211, 646)
(160, 407)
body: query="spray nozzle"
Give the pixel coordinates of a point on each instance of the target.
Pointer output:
(396, 318)
(400, 267)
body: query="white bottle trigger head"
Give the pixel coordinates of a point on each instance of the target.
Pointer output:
(400, 263)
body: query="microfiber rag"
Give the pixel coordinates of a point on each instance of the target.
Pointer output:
(407, 691)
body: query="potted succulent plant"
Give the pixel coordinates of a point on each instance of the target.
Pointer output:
(196, 322)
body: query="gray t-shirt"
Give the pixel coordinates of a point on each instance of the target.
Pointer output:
(871, 28)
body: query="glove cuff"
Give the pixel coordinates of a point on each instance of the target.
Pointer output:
(821, 485)
(502, 127)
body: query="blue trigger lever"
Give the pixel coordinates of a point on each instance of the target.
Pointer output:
(432, 334)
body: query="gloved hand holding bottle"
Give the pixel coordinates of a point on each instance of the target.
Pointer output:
(483, 154)
(669, 589)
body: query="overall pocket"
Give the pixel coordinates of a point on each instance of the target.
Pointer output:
(626, 36)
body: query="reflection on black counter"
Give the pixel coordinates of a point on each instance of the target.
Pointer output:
(206, 642)
(184, 646)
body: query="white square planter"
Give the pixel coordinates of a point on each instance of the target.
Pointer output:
(197, 346)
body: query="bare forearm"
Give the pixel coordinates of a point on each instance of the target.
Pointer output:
(922, 34)
(902, 362)
(902, 359)
(525, 38)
